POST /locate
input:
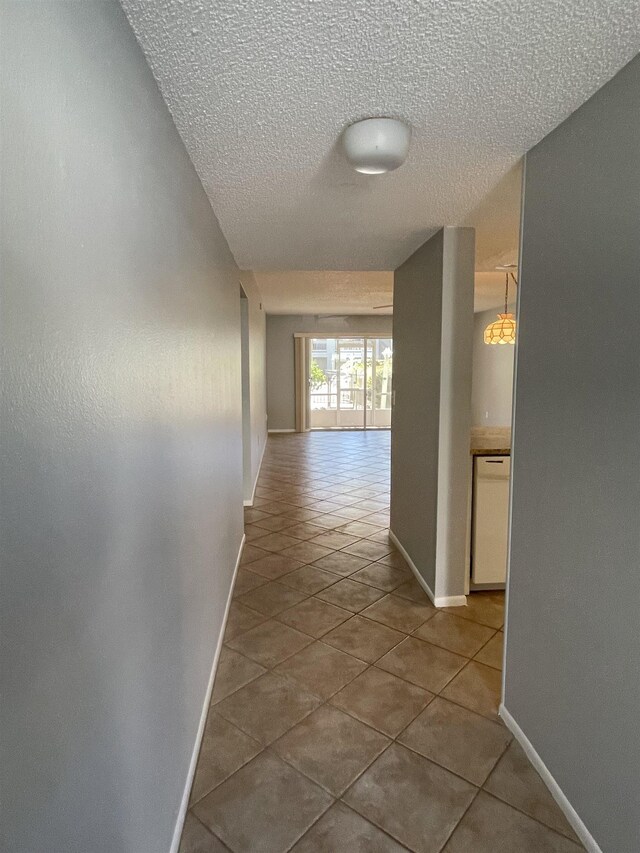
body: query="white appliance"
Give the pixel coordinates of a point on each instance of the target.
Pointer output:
(490, 519)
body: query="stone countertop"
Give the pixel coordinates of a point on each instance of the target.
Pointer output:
(491, 451)
(490, 441)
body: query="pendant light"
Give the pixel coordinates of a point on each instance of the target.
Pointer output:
(503, 330)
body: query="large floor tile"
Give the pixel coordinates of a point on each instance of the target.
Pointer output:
(309, 579)
(381, 518)
(430, 667)
(251, 553)
(368, 549)
(331, 748)
(382, 700)
(268, 707)
(383, 537)
(321, 669)
(263, 808)
(314, 617)
(350, 595)
(307, 552)
(396, 561)
(411, 589)
(275, 565)
(234, 671)
(477, 687)
(274, 508)
(299, 514)
(329, 521)
(275, 542)
(252, 532)
(341, 830)
(352, 513)
(458, 739)
(399, 613)
(360, 528)
(487, 608)
(461, 636)
(270, 643)
(274, 524)
(240, 619)
(492, 653)
(196, 838)
(383, 577)
(341, 564)
(414, 800)
(491, 826)
(304, 531)
(363, 638)
(272, 598)
(333, 539)
(246, 580)
(224, 749)
(252, 515)
(515, 781)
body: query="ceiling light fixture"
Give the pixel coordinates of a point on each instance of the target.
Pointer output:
(376, 145)
(503, 330)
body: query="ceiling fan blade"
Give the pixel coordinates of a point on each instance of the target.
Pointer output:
(375, 307)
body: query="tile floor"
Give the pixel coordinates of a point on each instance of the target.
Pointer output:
(348, 714)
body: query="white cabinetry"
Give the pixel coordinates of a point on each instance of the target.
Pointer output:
(490, 519)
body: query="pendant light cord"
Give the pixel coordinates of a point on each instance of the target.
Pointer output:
(506, 288)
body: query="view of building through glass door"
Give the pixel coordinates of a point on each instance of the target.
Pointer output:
(349, 383)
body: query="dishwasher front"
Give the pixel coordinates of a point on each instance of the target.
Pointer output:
(490, 519)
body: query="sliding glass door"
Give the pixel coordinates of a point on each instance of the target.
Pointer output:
(379, 382)
(349, 383)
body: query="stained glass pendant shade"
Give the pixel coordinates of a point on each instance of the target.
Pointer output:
(502, 330)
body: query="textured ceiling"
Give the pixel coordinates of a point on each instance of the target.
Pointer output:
(331, 292)
(324, 292)
(261, 89)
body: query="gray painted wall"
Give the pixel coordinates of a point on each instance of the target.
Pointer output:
(492, 391)
(415, 425)
(121, 438)
(432, 333)
(573, 646)
(280, 354)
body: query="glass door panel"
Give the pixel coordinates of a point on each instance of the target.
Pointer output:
(343, 391)
(351, 396)
(379, 382)
(323, 383)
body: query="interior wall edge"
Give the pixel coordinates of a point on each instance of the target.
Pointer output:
(184, 803)
(249, 501)
(576, 822)
(437, 601)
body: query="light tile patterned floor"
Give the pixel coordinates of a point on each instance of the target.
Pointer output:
(348, 714)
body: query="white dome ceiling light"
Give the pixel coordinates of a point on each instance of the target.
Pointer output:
(376, 145)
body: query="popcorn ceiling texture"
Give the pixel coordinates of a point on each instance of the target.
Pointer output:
(324, 291)
(261, 89)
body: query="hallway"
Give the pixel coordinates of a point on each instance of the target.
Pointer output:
(348, 714)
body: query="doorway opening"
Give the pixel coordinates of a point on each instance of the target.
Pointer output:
(247, 485)
(349, 382)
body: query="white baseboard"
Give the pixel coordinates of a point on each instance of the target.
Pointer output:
(280, 430)
(589, 842)
(184, 805)
(249, 501)
(441, 601)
